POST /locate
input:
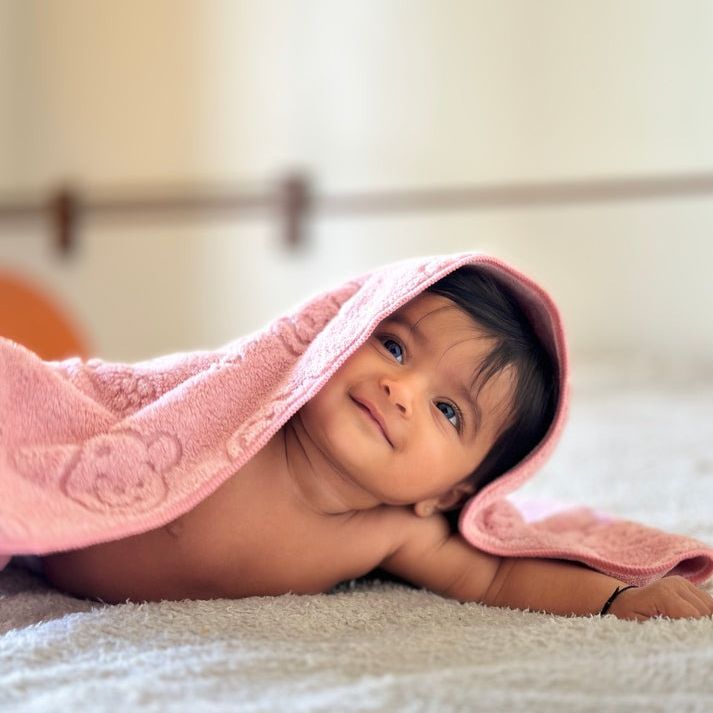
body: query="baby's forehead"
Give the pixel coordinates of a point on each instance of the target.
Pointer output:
(436, 313)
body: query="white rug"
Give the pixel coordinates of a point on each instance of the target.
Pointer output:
(639, 445)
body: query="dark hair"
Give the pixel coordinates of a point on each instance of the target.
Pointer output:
(496, 311)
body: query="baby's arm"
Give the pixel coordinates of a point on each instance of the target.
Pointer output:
(430, 556)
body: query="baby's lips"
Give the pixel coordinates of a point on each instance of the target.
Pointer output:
(375, 414)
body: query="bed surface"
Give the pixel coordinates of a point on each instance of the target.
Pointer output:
(639, 445)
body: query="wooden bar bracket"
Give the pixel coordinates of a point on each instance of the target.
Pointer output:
(294, 201)
(63, 208)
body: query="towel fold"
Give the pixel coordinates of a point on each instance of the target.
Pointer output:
(92, 451)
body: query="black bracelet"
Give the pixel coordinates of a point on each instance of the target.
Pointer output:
(616, 593)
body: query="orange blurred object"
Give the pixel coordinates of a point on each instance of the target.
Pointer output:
(32, 318)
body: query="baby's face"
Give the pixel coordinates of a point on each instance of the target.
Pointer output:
(400, 418)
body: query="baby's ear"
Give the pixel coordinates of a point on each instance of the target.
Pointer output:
(447, 501)
(457, 495)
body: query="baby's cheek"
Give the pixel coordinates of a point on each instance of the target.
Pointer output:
(314, 414)
(321, 419)
(453, 464)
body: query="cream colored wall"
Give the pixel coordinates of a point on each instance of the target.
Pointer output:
(6, 129)
(365, 95)
(102, 95)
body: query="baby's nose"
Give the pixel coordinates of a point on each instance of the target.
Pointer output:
(400, 393)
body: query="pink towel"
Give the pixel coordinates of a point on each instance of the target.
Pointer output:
(94, 451)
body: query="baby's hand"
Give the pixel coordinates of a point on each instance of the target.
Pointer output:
(674, 597)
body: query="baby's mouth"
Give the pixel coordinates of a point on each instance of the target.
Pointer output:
(373, 413)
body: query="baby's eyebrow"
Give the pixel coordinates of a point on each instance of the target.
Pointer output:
(406, 323)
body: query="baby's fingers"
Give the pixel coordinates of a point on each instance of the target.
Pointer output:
(683, 607)
(700, 599)
(685, 600)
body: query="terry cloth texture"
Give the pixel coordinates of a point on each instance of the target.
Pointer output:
(94, 451)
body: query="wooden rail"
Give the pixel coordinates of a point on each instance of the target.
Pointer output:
(292, 201)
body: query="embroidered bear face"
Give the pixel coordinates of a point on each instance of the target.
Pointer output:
(121, 471)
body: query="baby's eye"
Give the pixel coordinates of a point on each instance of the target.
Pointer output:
(450, 412)
(394, 348)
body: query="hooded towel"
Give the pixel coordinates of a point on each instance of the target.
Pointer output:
(92, 451)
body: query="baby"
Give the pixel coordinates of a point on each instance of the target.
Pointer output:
(449, 392)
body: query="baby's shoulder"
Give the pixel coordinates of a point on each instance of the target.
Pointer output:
(349, 545)
(312, 556)
(387, 528)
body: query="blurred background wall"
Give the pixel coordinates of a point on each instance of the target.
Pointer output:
(369, 95)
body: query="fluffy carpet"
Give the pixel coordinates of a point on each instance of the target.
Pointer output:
(639, 444)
